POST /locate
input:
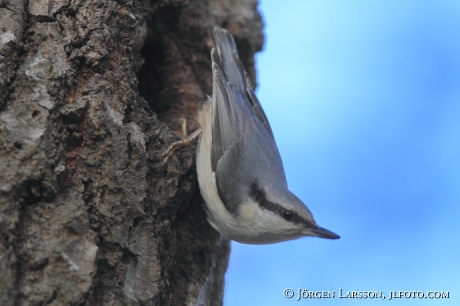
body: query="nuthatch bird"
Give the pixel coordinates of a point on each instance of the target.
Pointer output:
(240, 172)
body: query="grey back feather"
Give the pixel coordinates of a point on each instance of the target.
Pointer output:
(243, 149)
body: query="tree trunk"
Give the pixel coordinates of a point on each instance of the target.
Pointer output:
(88, 214)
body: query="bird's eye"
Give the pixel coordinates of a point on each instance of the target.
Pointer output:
(287, 215)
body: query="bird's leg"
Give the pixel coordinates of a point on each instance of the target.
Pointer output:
(184, 142)
(183, 125)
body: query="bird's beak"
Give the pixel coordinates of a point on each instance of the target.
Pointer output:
(320, 232)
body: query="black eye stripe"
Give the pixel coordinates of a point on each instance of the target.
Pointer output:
(258, 195)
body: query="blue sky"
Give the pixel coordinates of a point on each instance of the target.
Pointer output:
(364, 101)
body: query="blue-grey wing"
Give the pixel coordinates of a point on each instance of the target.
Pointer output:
(243, 147)
(228, 63)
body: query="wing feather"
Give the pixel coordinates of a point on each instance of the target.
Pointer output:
(243, 147)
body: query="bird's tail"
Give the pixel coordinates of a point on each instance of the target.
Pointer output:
(228, 60)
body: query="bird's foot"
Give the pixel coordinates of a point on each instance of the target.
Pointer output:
(184, 142)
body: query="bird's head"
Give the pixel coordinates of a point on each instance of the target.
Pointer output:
(276, 214)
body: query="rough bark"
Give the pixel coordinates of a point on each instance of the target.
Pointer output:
(88, 216)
